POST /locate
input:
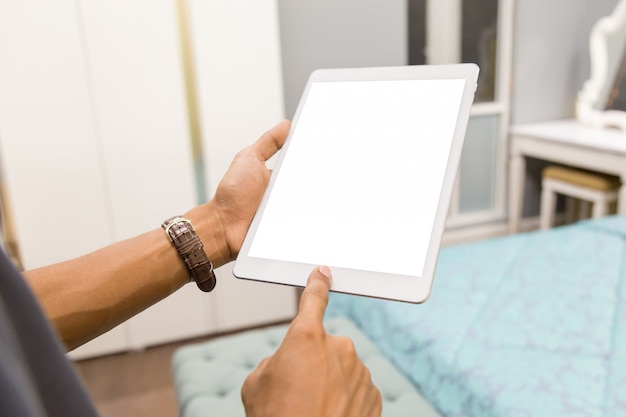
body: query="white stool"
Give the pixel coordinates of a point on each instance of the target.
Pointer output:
(589, 187)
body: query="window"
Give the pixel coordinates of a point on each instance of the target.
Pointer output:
(478, 34)
(478, 31)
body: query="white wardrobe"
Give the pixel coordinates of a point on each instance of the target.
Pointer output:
(95, 140)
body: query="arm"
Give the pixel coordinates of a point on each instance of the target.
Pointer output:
(312, 373)
(87, 296)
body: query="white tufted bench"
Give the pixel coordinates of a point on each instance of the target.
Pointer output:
(208, 376)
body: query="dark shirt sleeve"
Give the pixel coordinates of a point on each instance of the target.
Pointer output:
(36, 378)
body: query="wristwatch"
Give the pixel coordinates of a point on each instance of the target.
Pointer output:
(183, 236)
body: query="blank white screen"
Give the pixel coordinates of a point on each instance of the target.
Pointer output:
(360, 183)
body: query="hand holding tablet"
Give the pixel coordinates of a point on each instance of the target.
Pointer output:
(364, 181)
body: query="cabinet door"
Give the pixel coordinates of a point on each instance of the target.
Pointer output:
(134, 54)
(479, 31)
(50, 149)
(478, 169)
(134, 58)
(114, 341)
(186, 314)
(238, 68)
(244, 304)
(49, 146)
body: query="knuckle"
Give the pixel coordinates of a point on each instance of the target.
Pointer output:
(345, 346)
(378, 398)
(367, 375)
(306, 329)
(248, 384)
(274, 139)
(243, 153)
(315, 290)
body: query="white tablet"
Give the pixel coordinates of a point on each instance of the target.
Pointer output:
(364, 181)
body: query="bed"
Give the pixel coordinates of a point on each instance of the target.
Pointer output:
(526, 325)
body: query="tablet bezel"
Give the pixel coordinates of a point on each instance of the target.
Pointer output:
(373, 284)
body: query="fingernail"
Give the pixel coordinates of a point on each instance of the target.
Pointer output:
(326, 272)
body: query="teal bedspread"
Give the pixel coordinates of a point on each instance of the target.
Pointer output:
(527, 325)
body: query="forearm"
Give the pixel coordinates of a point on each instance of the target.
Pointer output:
(87, 296)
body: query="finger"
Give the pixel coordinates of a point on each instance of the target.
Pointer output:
(272, 140)
(315, 296)
(261, 366)
(344, 346)
(374, 404)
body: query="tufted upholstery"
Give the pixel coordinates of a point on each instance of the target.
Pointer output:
(208, 376)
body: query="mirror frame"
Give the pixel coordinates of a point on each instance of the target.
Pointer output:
(607, 35)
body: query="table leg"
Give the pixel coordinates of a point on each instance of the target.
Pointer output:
(621, 198)
(517, 181)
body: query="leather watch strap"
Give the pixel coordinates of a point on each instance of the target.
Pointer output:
(183, 236)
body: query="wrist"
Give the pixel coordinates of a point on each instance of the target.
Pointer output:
(211, 231)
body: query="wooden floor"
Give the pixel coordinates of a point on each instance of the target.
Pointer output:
(137, 384)
(133, 384)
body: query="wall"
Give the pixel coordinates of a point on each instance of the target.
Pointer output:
(354, 33)
(550, 64)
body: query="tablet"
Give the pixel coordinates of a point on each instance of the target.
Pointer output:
(364, 181)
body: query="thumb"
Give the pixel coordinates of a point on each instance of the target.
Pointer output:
(315, 296)
(272, 140)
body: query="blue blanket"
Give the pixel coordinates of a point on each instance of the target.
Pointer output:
(527, 325)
